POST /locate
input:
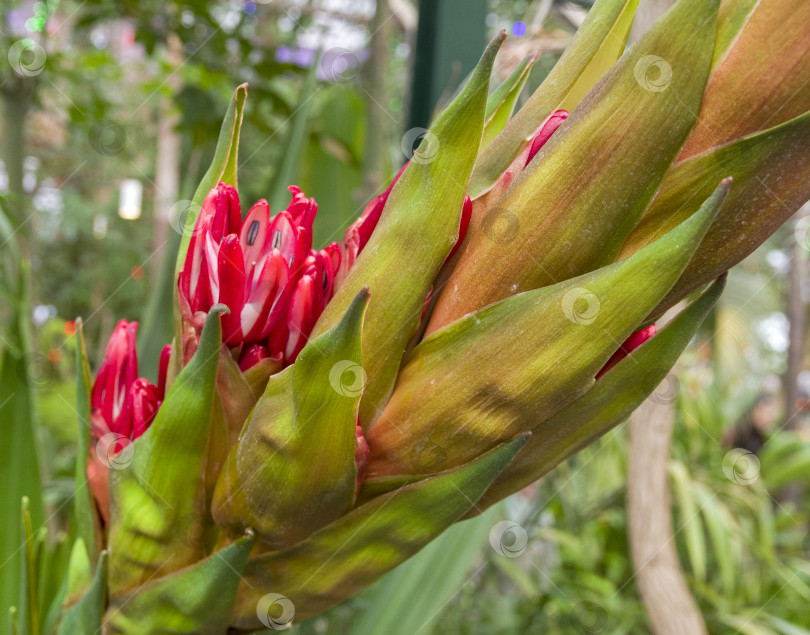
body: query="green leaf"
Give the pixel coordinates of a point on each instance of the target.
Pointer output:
(501, 101)
(158, 508)
(689, 519)
(406, 600)
(771, 172)
(767, 68)
(731, 18)
(197, 599)
(84, 617)
(506, 368)
(573, 206)
(85, 512)
(29, 618)
(299, 443)
(21, 370)
(418, 228)
(222, 168)
(611, 400)
(342, 558)
(596, 46)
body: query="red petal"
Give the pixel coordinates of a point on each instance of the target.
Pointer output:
(252, 355)
(144, 405)
(253, 235)
(266, 301)
(163, 370)
(115, 377)
(464, 224)
(630, 344)
(300, 317)
(231, 275)
(548, 129)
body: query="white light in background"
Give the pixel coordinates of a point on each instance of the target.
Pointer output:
(129, 202)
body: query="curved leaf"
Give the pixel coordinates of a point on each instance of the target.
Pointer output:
(501, 101)
(767, 69)
(505, 368)
(573, 206)
(85, 615)
(342, 558)
(771, 172)
(418, 228)
(197, 599)
(596, 46)
(611, 400)
(299, 443)
(158, 509)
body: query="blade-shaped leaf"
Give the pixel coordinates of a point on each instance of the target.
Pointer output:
(197, 599)
(771, 172)
(85, 512)
(223, 167)
(342, 558)
(418, 228)
(731, 18)
(299, 443)
(158, 509)
(573, 206)
(500, 371)
(611, 400)
(410, 598)
(85, 615)
(767, 69)
(596, 46)
(501, 101)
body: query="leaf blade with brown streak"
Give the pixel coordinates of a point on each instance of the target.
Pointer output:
(418, 228)
(573, 206)
(162, 489)
(342, 558)
(597, 45)
(299, 443)
(771, 172)
(481, 379)
(607, 404)
(767, 68)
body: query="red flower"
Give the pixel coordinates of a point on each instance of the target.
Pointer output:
(263, 269)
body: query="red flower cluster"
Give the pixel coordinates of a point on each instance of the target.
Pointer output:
(263, 269)
(122, 402)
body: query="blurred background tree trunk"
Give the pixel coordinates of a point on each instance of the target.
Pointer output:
(659, 577)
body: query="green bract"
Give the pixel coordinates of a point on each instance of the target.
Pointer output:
(256, 489)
